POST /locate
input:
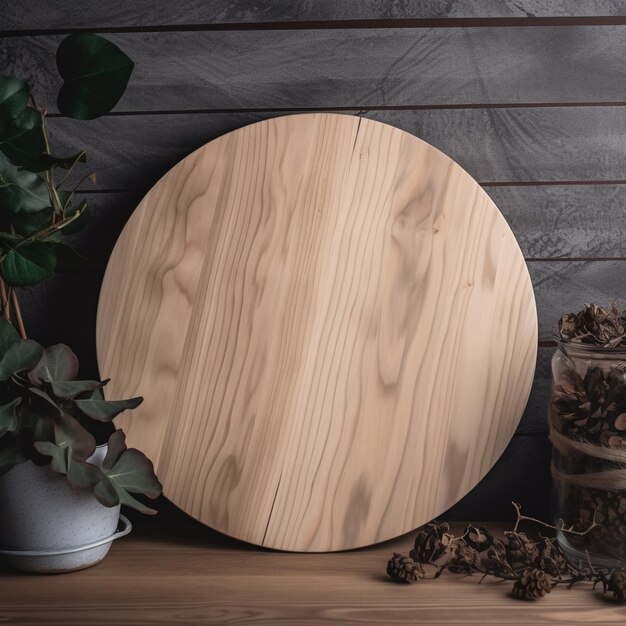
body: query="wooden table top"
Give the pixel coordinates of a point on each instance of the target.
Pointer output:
(172, 570)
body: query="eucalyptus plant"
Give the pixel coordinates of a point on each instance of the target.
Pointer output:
(37, 207)
(44, 411)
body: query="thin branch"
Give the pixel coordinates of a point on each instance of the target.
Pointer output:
(562, 528)
(5, 301)
(18, 314)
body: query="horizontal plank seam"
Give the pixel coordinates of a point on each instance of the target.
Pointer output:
(360, 110)
(523, 183)
(354, 24)
(547, 343)
(535, 259)
(545, 183)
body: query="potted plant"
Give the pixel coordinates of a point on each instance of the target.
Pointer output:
(60, 493)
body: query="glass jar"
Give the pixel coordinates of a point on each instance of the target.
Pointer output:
(588, 433)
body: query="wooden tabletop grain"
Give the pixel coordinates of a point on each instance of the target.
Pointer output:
(172, 570)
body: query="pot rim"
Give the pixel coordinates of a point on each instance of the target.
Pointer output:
(126, 528)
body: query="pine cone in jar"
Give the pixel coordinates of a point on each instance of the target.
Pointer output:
(617, 585)
(570, 327)
(600, 326)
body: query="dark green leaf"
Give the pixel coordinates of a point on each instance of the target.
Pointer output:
(106, 410)
(76, 225)
(115, 447)
(127, 500)
(83, 475)
(69, 433)
(131, 473)
(95, 72)
(71, 388)
(43, 396)
(59, 457)
(8, 335)
(19, 357)
(106, 493)
(134, 472)
(23, 141)
(68, 260)
(57, 363)
(21, 190)
(28, 265)
(10, 454)
(14, 95)
(43, 428)
(9, 238)
(29, 223)
(8, 417)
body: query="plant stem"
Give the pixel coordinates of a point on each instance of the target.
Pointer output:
(55, 201)
(18, 314)
(5, 301)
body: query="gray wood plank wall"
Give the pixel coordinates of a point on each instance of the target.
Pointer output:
(528, 95)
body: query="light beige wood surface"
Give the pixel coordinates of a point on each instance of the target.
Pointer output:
(171, 574)
(333, 328)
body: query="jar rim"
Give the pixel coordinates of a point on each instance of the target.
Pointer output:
(589, 348)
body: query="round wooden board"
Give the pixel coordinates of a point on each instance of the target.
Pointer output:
(332, 325)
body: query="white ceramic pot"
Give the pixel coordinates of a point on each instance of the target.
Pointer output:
(46, 526)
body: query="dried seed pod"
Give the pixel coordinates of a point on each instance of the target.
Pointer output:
(551, 559)
(520, 549)
(532, 584)
(464, 559)
(478, 538)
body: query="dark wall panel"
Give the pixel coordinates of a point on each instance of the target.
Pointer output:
(505, 145)
(528, 96)
(351, 67)
(63, 14)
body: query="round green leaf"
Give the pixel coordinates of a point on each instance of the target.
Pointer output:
(20, 356)
(8, 416)
(8, 335)
(23, 141)
(21, 190)
(27, 265)
(14, 96)
(57, 363)
(95, 72)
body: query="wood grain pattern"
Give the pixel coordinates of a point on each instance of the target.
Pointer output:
(180, 573)
(505, 145)
(64, 14)
(335, 326)
(355, 68)
(548, 221)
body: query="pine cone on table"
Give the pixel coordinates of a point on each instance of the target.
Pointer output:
(402, 569)
(532, 584)
(432, 543)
